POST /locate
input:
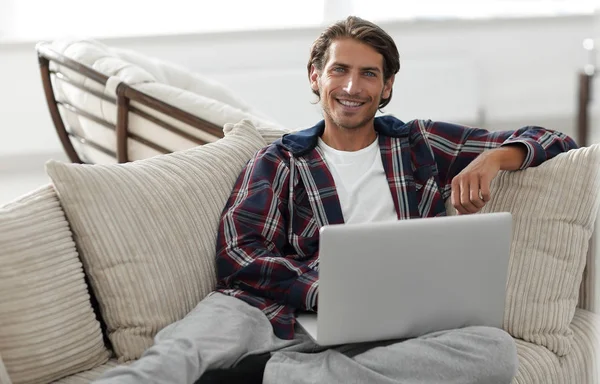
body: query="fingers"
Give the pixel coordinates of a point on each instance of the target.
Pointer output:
(455, 195)
(468, 194)
(484, 187)
(474, 196)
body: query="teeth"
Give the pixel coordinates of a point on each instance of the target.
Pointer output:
(350, 103)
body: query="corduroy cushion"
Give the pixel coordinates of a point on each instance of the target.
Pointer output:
(554, 207)
(537, 365)
(89, 376)
(48, 329)
(147, 230)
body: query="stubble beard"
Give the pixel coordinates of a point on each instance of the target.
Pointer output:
(369, 115)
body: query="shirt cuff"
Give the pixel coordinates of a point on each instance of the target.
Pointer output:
(532, 158)
(304, 291)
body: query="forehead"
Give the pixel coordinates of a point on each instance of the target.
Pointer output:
(354, 53)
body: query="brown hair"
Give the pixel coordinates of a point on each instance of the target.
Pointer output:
(363, 31)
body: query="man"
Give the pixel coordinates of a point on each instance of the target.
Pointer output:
(349, 168)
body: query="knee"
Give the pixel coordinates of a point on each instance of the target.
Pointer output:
(502, 355)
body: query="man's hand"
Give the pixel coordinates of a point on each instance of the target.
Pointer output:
(471, 187)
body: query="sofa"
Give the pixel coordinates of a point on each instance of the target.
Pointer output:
(94, 264)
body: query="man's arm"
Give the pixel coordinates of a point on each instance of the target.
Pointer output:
(471, 187)
(253, 234)
(469, 158)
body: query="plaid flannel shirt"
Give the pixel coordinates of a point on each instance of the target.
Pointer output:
(268, 240)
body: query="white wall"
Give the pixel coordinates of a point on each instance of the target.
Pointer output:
(500, 73)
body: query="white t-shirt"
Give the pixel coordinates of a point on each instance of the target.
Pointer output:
(361, 183)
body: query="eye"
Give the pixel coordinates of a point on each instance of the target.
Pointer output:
(338, 69)
(370, 74)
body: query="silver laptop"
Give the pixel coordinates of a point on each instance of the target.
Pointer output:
(407, 278)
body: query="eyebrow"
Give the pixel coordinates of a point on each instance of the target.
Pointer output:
(373, 69)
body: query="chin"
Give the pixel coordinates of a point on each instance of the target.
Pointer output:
(351, 124)
(354, 123)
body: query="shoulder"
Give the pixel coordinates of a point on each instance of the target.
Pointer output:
(271, 157)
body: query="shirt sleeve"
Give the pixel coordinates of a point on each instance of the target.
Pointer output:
(455, 146)
(252, 238)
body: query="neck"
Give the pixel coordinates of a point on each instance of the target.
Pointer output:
(349, 140)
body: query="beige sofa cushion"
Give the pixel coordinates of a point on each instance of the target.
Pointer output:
(537, 365)
(89, 376)
(147, 231)
(48, 329)
(554, 207)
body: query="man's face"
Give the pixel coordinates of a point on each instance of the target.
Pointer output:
(351, 84)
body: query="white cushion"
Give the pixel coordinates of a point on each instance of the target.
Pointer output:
(184, 79)
(169, 83)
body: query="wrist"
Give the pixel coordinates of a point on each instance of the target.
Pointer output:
(510, 157)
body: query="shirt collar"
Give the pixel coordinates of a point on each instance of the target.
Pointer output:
(301, 142)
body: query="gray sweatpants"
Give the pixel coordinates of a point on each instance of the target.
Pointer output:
(222, 330)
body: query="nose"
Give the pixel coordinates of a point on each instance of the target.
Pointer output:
(352, 86)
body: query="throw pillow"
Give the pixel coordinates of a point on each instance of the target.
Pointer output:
(554, 207)
(147, 231)
(48, 329)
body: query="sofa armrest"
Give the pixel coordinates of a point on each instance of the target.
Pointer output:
(4, 379)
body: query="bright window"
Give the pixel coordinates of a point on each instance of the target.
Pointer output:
(37, 19)
(468, 9)
(33, 20)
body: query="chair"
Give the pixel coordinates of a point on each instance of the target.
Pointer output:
(113, 105)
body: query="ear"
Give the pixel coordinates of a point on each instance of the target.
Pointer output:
(387, 87)
(314, 78)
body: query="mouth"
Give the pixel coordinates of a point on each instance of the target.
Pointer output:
(350, 104)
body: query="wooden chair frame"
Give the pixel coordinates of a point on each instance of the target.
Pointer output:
(583, 103)
(585, 81)
(125, 94)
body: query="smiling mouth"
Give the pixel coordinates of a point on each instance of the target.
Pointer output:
(350, 104)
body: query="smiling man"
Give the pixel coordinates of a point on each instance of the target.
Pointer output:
(351, 167)
(352, 82)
